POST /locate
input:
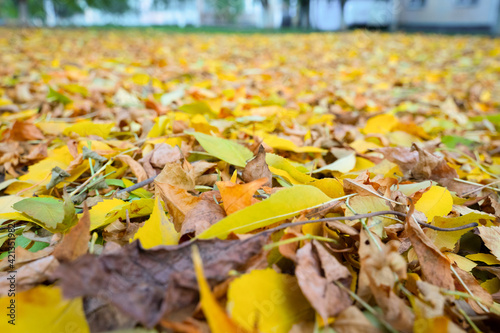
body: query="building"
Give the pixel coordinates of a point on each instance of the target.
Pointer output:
(448, 15)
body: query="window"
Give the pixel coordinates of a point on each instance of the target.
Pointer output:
(467, 3)
(416, 4)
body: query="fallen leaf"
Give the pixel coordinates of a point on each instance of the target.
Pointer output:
(87, 128)
(491, 237)
(317, 271)
(216, 316)
(76, 242)
(178, 201)
(157, 230)
(380, 266)
(23, 131)
(226, 150)
(435, 266)
(135, 166)
(436, 201)
(201, 217)
(257, 168)
(138, 282)
(267, 301)
(281, 205)
(239, 196)
(47, 310)
(352, 320)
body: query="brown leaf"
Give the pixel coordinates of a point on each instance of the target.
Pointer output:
(201, 217)
(23, 131)
(491, 206)
(29, 275)
(420, 164)
(76, 242)
(257, 168)
(175, 174)
(379, 266)
(435, 265)
(491, 238)
(23, 256)
(147, 284)
(179, 202)
(316, 271)
(135, 166)
(161, 155)
(475, 288)
(431, 310)
(352, 320)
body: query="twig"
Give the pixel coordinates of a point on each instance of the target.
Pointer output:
(79, 188)
(364, 216)
(136, 186)
(481, 187)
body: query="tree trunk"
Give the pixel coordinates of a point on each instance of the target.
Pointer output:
(396, 8)
(304, 14)
(496, 27)
(50, 13)
(343, 25)
(23, 15)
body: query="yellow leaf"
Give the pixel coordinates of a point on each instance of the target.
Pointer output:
(362, 146)
(226, 150)
(284, 144)
(462, 262)
(446, 240)
(158, 230)
(86, 128)
(105, 212)
(437, 201)
(380, 124)
(330, 186)
(492, 285)
(343, 164)
(141, 79)
(267, 301)
(487, 258)
(52, 127)
(202, 107)
(363, 164)
(370, 204)
(6, 203)
(217, 318)
(39, 173)
(43, 309)
(282, 167)
(281, 205)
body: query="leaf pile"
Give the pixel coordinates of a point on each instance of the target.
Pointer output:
(390, 141)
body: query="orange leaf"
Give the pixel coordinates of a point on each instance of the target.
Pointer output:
(239, 196)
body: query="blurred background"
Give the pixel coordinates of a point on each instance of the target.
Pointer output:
(471, 16)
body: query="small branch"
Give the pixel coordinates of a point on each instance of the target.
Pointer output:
(136, 186)
(364, 216)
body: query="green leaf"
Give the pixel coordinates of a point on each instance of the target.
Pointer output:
(281, 205)
(54, 96)
(451, 141)
(226, 150)
(50, 213)
(197, 108)
(494, 118)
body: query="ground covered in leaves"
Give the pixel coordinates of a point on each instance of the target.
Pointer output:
(389, 139)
